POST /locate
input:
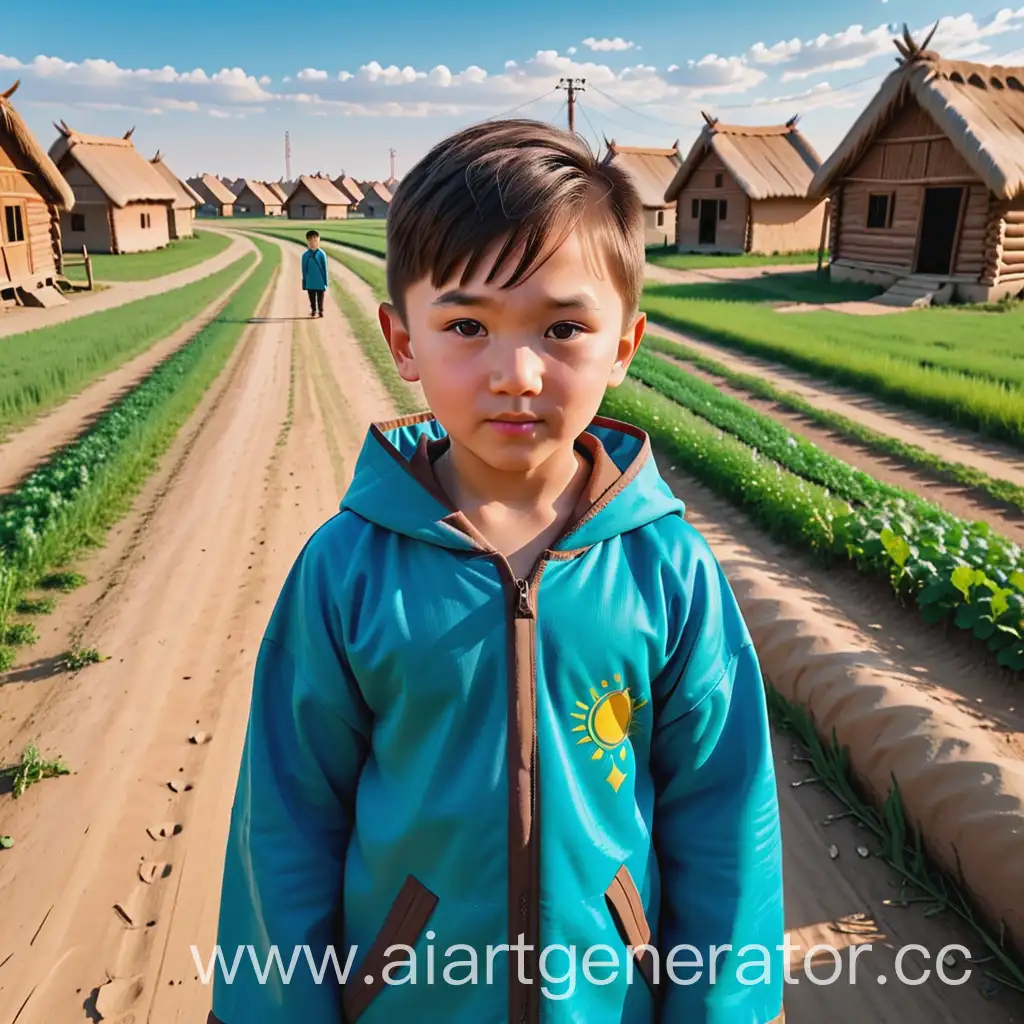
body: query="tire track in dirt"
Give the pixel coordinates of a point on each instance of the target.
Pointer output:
(968, 503)
(33, 445)
(971, 449)
(21, 320)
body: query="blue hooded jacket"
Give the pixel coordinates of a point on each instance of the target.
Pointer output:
(314, 270)
(576, 765)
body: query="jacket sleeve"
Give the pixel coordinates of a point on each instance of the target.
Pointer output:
(306, 741)
(323, 264)
(716, 819)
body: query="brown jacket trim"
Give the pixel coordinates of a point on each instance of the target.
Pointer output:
(406, 919)
(402, 421)
(213, 1019)
(628, 911)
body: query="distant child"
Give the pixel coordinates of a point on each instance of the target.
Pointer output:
(508, 758)
(314, 273)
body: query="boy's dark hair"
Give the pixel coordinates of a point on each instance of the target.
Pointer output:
(518, 179)
(312, 234)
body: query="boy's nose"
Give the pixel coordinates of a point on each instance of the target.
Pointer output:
(518, 370)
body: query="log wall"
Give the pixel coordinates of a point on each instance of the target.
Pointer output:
(1010, 253)
(18, 184)
(969, 257)
(731, 234)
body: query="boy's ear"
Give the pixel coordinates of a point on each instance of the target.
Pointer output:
(628, 345)
(398, 340)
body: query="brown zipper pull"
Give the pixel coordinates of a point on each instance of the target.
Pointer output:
(524, 598)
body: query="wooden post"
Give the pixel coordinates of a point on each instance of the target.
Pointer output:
(824, 234)
(88, 267)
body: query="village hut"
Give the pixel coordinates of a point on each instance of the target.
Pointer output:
(257, 199)
(651, 171)
(349, 187)
(316, 198)
(181, 216)
(375, 202)
(927, 188)
(33, 194)
(122, 203)
(744, 189)
(277, 187)
(218, 199)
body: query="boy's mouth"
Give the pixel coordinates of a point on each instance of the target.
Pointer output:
(515, 424)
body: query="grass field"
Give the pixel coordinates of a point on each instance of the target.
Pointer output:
(142, 266)
(960, 364)
(367, 235)
(666, 256)
(40, 369)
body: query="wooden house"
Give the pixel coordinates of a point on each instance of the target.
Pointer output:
(349, 187)
(316, 198)
(257, 199)
(181, 216)
(33, 195)
(375, 202)
(277, 187)
(651, 171)
(218, 199)
(927, 187)
(745, 189)
(122, 203)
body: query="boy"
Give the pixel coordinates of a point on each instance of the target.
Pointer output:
(314, 273)
(507, 716)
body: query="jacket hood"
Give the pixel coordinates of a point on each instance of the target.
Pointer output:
(393, 485)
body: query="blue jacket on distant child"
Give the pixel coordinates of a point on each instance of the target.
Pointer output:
(314, 270)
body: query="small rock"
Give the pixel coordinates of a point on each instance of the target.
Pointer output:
(863, 851)
(199, 738)
(833, 852)
(949, 960)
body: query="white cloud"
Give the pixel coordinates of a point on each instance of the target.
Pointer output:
(265, 80)
(571, 50)
(714, 74)
(311, 75)
(218, 113)
(609, 45)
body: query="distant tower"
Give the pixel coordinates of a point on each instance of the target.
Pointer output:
(392, 152)
(287, 157)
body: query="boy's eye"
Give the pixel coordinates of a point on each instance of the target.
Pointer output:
(468, 328)
(565, 331)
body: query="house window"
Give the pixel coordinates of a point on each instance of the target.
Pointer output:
(660, 219)
(718, 181)
(145, 219)
(78, 222)
(880, 208)
(15, 226)
(723, 209)
(695, 209)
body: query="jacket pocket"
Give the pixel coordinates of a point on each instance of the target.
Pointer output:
(628, 911)
(405, 922)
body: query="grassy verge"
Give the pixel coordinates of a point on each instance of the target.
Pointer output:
(959, 365)
(954, 472)
(180, 254)
(668, 256)
(899, 844)
(40, 369)
(954, 572)
(371, 273)
(369, 239)
(68, 504)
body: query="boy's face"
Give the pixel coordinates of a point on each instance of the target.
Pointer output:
(543, 352)
(313, 243)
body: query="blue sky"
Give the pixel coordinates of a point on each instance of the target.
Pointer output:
(216, 85)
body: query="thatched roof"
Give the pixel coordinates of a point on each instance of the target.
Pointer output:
(322, 190)
(349, 187)
(376, 189)
(212, 190)
(651, 170)
(185, 197)
(49, 180)
(767, 162)
(277, 188)
(119, 170)
(979, 107)
(260, 191)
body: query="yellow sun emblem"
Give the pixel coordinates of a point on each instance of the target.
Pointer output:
(606, 722)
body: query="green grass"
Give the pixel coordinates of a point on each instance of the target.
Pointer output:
(365, 235)
(371, 273)
(40, 369)
(667, 256)
(953, 472)
(142, 266)
(961, 365)
(68, 504)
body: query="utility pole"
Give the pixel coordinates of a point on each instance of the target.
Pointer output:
(287, 157)
(392, 153)
(572, 86)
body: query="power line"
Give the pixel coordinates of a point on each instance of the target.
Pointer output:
(597, 137)
(572, 86)
(520, 106)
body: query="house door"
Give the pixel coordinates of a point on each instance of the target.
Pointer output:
(939, 223)
(708, 222)
(16, 260)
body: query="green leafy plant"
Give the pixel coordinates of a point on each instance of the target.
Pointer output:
(32, 768)
(79, 657)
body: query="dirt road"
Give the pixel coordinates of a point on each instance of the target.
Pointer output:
(17, 321)
(115, 873)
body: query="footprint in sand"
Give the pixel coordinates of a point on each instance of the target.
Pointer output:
(151, 871)
(164, 830)
(177, 786)
(200, 737)
(116, 996)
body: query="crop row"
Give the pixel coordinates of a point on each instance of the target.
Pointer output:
(68, 503)
(949, 568)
